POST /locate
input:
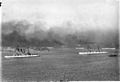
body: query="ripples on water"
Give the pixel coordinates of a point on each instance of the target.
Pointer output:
(59, 65)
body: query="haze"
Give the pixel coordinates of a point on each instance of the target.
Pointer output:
(54, 13)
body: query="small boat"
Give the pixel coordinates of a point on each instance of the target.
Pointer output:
(21, 56)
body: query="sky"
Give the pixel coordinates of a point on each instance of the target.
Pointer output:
(52, 13)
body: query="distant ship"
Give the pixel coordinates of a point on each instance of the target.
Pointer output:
(22, 53)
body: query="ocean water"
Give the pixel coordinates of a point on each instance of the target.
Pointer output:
(62, 64)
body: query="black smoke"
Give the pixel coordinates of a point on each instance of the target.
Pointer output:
(16, 33)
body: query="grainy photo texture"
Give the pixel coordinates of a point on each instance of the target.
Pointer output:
(59, 40)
